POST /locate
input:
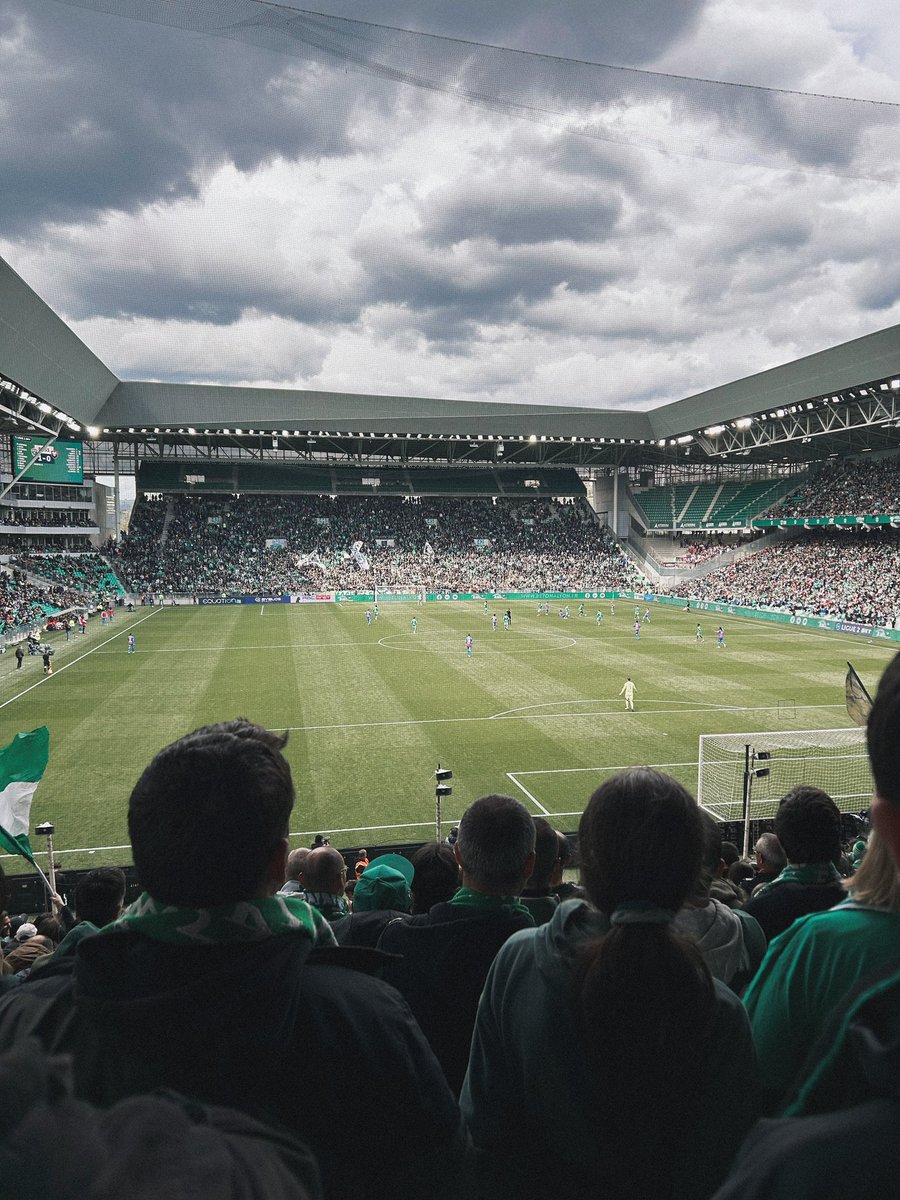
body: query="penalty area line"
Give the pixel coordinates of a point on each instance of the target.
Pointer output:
(523, 788)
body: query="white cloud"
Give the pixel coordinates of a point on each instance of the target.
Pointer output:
(425, 247)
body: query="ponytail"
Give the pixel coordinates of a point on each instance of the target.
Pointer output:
(644, 998)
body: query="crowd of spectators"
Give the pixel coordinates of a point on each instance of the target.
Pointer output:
(698, 548)
(88, 573)
(25, 606)
(218, 544)
(852, 575)
(507, 1033)
(47, 517)
(863, 487)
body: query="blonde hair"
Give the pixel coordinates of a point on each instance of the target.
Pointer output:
(877, 881)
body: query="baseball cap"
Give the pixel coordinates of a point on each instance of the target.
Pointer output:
(381, 887)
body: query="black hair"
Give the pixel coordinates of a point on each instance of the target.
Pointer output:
(808, 825)
(712, 854)
(883, 734)
(99, 895)
(207, 814)
(546, 852)
(644, 996)
(730, 853)
(496, 835)
(435, 876)
(49, 926)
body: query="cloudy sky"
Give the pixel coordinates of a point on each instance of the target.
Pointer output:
(206, 210)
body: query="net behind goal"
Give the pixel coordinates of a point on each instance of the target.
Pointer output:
(834, 760)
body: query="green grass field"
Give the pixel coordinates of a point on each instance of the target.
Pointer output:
(371, 710)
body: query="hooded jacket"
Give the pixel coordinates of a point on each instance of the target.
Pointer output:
(526, 1097)
(725, 940)
(274, 1028)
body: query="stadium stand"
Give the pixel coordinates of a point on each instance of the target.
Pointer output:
(850, 575)
(852, 488)
(188, 544)
(88, 573)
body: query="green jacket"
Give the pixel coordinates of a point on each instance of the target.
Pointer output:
(806, 974)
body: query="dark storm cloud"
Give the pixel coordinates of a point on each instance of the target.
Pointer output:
(216, 299)
(450, 297)
(880, 292)
(106, 113)
(605, 31)
(528, 212)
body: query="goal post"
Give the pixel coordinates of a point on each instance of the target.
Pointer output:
(742, 776)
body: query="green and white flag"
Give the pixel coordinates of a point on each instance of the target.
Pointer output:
(22, 763)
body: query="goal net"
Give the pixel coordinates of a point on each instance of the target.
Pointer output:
(834, 760)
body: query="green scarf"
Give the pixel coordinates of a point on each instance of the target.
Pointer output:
(243, 921)
(820, 872)
(466, 898)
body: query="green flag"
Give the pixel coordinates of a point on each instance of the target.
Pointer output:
(22, 763)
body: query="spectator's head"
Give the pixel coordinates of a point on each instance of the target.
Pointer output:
(382, 887)
(563, 858)
(50, 926)
(435, 875)
(711, 864)
(208, 818)
(645, 997)
(546, 852)
(808, 825)
(883, 737)
(641, 839)
(99, 896)
(25, 930)
(730, 854)
(740, 873)
(877, 880)
(325, 871)
(770, 854)
(495, 846)
(296, 862)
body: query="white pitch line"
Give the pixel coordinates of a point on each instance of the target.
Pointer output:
(73, 661)
(626, 767)
(523, 788)
(569, 716)
(301, 834)
(550, 703)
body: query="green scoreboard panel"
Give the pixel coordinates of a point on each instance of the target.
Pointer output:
(60, 462)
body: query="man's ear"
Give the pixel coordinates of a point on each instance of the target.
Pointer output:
(886, 819)
(529, 869)
(456, 855)
(276, 871)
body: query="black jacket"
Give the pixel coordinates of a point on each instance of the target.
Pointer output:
(447, 953)
(274, 1028)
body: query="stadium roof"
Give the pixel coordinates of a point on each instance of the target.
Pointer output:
(842, 400)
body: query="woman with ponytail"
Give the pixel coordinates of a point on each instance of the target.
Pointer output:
(606, 1061)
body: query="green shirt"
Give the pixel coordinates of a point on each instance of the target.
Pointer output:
(805, 975)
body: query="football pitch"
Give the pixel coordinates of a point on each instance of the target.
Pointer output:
(372, 709)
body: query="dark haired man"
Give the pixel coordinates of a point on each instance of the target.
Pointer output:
(214, 986)
(808, 826)
(447, 951)
(538, 895)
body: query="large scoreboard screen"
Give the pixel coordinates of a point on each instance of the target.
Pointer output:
(59, 462)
